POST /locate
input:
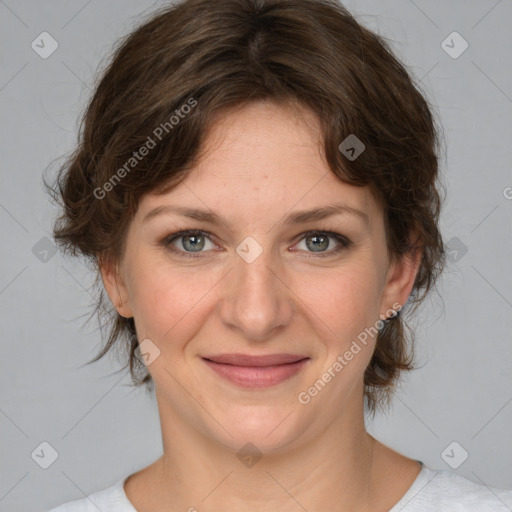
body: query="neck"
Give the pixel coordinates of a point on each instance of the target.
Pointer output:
(333, 470)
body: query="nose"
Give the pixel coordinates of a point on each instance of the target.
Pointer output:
(256, 300)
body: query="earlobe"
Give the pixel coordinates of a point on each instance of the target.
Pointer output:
(116, 289)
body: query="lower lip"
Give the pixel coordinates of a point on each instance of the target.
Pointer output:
(257, 376)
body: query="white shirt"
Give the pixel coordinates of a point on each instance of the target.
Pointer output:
(432, 491)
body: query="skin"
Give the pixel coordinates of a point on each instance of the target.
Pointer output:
(259, 164)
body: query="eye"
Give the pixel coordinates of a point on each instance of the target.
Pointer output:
(318, 242)
(190, 242)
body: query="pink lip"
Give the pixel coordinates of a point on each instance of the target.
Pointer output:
(256, 371)
(247, 360)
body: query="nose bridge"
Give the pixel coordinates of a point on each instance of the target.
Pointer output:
(256, 302)
(257, 279)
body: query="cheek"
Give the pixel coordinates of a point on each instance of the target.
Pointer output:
(344, 301)
(167, 301)
(347, 302)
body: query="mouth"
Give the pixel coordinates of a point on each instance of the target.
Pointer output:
(256, 371)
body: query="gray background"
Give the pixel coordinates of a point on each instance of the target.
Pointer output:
(100, 427)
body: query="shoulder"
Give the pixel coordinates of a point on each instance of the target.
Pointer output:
(112, 499)
(443, 491)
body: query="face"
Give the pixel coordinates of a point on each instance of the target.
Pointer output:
(259, 273)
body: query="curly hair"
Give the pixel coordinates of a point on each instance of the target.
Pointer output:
(216, 56)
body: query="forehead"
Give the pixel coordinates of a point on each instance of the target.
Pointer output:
(264, 158)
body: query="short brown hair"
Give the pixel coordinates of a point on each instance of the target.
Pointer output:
(224, 54)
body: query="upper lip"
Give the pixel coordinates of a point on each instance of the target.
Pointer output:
(247, 360)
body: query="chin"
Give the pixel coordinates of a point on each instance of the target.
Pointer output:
(269, 429)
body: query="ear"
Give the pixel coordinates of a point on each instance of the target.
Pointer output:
(400, 281)
(115, 288)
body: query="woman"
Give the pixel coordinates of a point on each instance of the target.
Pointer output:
(257, 184)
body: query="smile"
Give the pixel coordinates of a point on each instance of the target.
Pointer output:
(256, 371)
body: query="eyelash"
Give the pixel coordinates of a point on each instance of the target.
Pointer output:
(344, 243)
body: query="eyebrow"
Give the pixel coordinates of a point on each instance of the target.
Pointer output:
(298, 217)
